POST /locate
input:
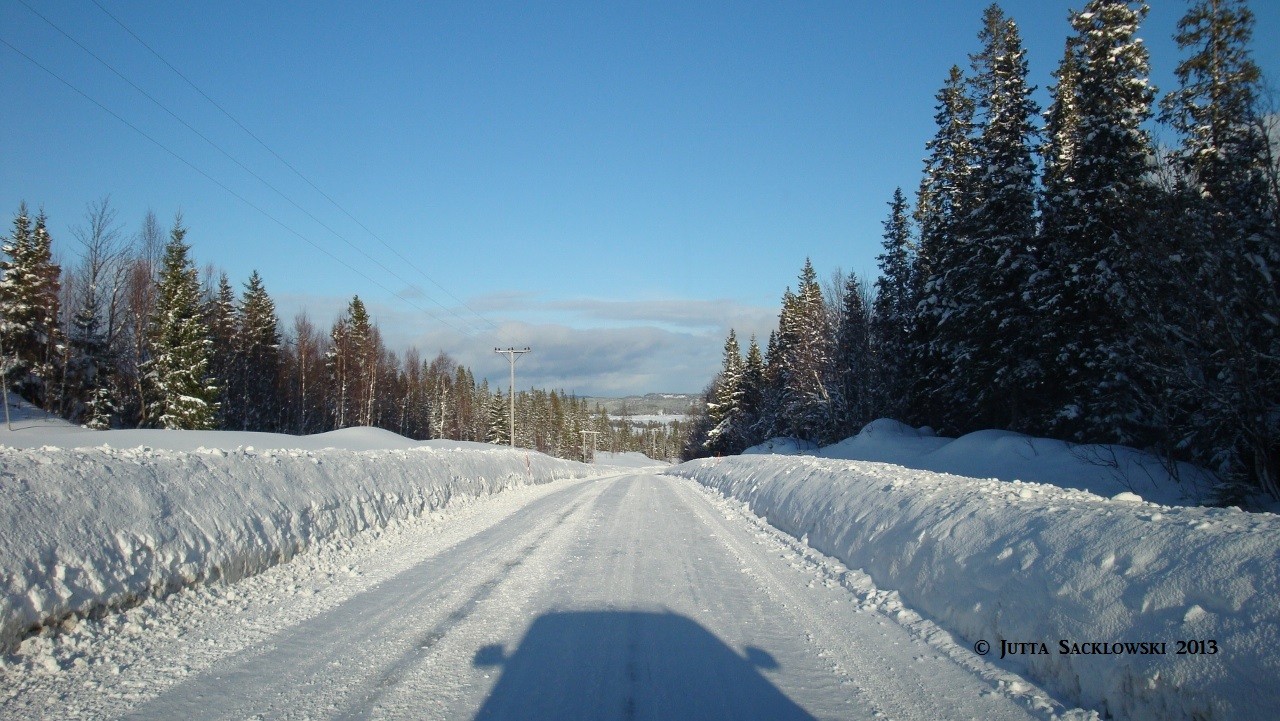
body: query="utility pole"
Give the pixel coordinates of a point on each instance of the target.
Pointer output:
(4, 385)
(512, 354)
(593, 445)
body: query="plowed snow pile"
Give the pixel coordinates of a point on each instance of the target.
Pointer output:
(1042, 566)
(1102, 469)
(93, 527)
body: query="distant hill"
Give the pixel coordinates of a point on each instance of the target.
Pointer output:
(649, 404)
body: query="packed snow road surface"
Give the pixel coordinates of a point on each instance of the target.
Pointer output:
(635, 596)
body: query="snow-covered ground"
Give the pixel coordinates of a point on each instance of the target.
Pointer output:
(629, 459)
(626, 597)
(96, 519)
(1008, 456)
(385, 578)
(1043, 566)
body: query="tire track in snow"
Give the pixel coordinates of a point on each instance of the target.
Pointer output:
(923, 682)
(121, 662)
(444, 682)
(424, 645)
(326, 660)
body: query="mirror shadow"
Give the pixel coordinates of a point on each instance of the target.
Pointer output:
(629, 665)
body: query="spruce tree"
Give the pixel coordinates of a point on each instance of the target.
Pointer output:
(994, 371)
(1058, 217)
(771, 421)
(350, 361)
(1218, 375)
(220, 312)
(1088, 290)
(695, 439)
(29, 311)
(257, 350)
(17, 301)
(498, 420)
(725, 410)
(896, 352)
(852, 358)
(1215, 110)
(52, 350)
(807, 385)
(944, 202)
(753, 382)
(183, 393)
(1062, 134)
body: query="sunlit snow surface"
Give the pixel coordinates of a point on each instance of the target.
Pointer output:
(405, 598)
(95, 519)
(1032, 562)
(1102, 469)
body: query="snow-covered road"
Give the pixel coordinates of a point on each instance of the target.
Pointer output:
(631, 596)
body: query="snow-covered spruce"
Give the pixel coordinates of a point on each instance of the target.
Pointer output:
(1024, 562)
(90, 528)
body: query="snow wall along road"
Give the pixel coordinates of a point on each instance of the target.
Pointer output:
(90, 528)
(1036, 564)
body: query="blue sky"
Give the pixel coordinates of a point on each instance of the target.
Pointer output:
(613, 184)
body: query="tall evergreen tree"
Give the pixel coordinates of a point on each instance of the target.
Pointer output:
(725, 410)
(183, 393)
(772, 419)
(695, 440)
(806, 383)
(852, 357)
(257, 349)
(1058, 218)
(753, 384)
(29, 311)
(944, 203)
(350, 361)
(499, 423)
(1215, 109)
(220, 317)
(1062, 136)
(1094, 259)
(51, 355)
(993, 333)
(1218, 373)
(896, 353)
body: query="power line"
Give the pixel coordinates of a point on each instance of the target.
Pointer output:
(291, 167)
(242, 166)
(220, 184)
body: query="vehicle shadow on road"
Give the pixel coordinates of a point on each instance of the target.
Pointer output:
(629, 665)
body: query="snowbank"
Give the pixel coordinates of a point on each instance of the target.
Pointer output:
(87, 528)
(1008, 456)
(1025, 562)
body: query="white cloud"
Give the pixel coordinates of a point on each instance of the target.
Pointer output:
(583, 345)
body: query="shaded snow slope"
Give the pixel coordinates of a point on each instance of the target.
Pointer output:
(1102, 469)
(84, 528)
(1025, 562)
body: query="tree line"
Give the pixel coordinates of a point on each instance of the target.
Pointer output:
(1066, 278)
(134, 336)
